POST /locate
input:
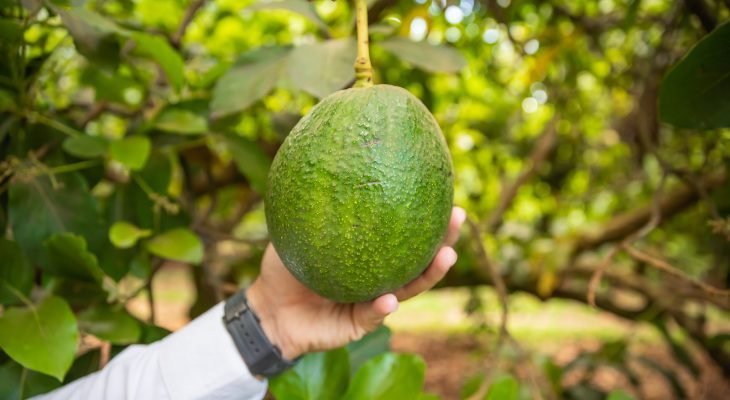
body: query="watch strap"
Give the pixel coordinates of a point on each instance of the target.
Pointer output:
(260, 355)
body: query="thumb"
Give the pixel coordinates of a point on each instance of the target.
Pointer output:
(370, 315)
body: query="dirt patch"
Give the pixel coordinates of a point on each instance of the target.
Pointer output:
(452, 358)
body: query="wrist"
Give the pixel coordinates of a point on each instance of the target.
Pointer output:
(265, 308)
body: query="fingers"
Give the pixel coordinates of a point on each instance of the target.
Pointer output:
(458, 216)
(371, 314)
(445, 258)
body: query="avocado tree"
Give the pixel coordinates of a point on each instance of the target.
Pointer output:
(590, 144)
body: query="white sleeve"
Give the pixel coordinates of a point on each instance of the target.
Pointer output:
(200, 361)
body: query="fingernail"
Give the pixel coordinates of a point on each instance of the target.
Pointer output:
(460, 215)
(451, 256)
(394, 304)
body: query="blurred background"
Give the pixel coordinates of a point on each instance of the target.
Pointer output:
(136, 136)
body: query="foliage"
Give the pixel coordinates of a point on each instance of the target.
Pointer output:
(694, 92)
(135, 133)
(365, 369)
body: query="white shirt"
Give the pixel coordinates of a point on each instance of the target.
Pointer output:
(200, 361)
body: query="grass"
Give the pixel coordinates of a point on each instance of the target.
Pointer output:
(530, 320)
(442, 311)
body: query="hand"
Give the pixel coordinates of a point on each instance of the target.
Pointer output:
(299, 321)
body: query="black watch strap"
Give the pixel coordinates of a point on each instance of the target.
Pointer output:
(261, 357)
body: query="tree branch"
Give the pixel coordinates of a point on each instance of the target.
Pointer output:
(656, 218)
(598, 274)
(714, 349)
(488, 269)
(630, 222)
(94, 113)
(573, 286)
(540, 152)
(676, 273)
(176, 39)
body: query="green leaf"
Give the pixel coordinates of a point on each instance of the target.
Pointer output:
(11, 377)
(42, 338)
(10, 31)
(301, 7)
(82, 18)
(78, 293)
(133, 204)
(112, 324)
(584, 391)
(95, 36)
(159, 50)
(425, 56)
(251, 161)
(388, 376)
(7, 103)
(132, 152)
(38, 209)
(249, 80)
(158, 173)
(374, 343)
(10, 373)
(140, 265)
(632, 9)
(115, 261)
(553, 373)
(471, 385)
(323, 67)
(125, 235)
(619, 395)
(85, 146)
(177, 244)
(316, 376)
(37, 383)
(695, 92)
(153, 333)
(16, 274)
(83, 365)
(109, 84)
(381, 28)
(186, 122)
(504, 387)
(66, 255)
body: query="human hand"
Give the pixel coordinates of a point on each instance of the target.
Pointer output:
(300, 321)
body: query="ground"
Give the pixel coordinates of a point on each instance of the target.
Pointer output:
(436, 326)
(452, 358)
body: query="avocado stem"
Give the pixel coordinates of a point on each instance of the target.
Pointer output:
(363, 68)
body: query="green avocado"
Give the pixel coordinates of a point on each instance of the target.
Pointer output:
(359, 195)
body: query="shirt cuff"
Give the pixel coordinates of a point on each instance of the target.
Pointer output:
(202, 361)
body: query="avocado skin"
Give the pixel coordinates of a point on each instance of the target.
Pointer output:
(360, 193)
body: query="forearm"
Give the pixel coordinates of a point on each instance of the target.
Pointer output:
(199, 361)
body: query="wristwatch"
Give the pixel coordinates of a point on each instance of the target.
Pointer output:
(260, 355)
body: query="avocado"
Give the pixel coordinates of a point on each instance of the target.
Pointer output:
(359, 195)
